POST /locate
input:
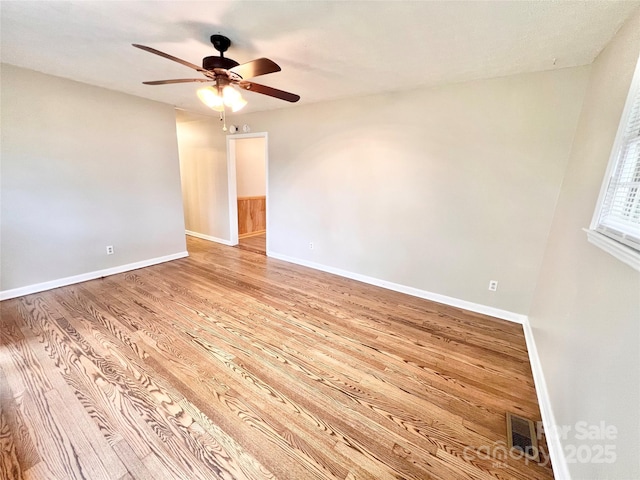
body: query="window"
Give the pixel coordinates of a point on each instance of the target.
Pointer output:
(616, 222)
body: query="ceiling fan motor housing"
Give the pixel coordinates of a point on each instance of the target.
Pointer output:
(209, 63)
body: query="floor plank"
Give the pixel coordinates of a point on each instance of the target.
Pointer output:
(229, 364)
(9, 463)
(254, 243)
(14, 435)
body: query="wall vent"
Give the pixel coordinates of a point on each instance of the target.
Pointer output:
(521, 436)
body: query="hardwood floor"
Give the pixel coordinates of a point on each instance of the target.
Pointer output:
(228, 364)
(255, 243)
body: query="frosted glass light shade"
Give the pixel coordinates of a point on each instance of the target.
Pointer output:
(209, 96)
(238, 105)
(232, 98)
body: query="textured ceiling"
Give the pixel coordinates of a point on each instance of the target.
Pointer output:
(327, 49)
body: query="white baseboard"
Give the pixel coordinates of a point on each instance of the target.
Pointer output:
(208, 237)
(62, 282)
(556, 452)
(416, 292)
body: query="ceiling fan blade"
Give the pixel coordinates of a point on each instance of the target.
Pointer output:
(178, 80)
(254, 68)
(272, 92)
(170, 57)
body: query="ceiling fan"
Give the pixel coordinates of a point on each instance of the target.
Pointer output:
(224, 73)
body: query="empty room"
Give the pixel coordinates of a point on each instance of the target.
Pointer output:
(320, 240)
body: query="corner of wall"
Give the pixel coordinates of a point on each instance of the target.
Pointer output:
(556, 452)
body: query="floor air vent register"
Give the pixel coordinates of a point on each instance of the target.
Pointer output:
(521, 436)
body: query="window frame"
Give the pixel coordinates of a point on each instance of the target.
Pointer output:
(619, 249)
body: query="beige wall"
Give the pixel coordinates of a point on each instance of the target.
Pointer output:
(203, 170)
(586, 313)
(83, 168)
(250, 167)
(440, 189)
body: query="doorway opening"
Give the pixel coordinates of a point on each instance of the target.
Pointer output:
(247, 163)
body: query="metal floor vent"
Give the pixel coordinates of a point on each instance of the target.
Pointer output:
(521, 435)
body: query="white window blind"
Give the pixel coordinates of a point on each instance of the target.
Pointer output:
(618, 212)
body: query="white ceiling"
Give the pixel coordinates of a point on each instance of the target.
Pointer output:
(327, 49)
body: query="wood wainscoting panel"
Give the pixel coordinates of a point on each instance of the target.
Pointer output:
(252, 215)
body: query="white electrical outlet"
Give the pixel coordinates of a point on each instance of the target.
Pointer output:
(493, 285)
(110, 250)
(310, 245)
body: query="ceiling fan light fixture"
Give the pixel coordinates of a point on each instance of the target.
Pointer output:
(232, 98)
(209, 96)
(238, 105)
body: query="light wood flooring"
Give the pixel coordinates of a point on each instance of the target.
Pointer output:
(255, 243)
(230, 365)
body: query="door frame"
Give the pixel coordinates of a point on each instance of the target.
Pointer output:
(233, 186)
